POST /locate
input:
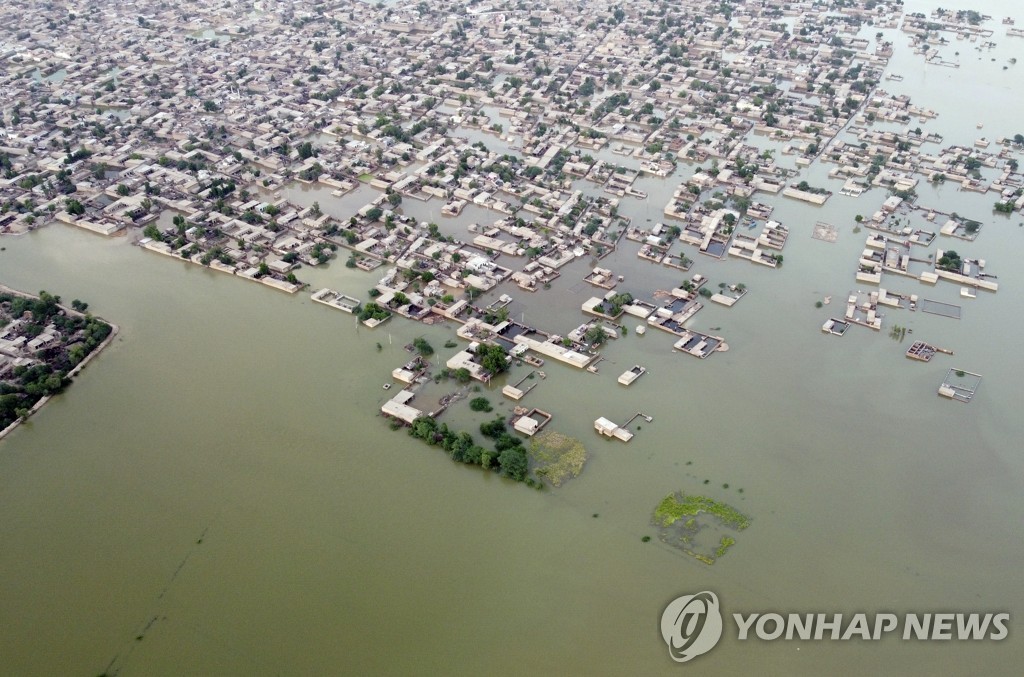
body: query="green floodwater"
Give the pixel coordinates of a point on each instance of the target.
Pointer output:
(216, 495)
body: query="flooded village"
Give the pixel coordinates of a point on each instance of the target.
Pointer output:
(188, 128)
(185, 134)
(708, 296)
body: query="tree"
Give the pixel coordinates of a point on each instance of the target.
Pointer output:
(596, 335)
(494, 429)
(210, 106)
(493, 358)
(423, 347)
(514, 463)
(480, 404)
(74, 207)
(306, 150)
(152, 232)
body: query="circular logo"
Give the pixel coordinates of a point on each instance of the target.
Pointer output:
(691, 625)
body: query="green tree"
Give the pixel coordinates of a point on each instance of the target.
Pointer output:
(74, 207)
(596, 335)
(514, 463)
(480, 404)
(493, 358)
(423, 347)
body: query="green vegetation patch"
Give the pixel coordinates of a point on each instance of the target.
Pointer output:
(684, 525)
(480, 404)
(677, 506)
(557, 457)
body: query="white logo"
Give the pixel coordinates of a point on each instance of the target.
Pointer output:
(691, 625)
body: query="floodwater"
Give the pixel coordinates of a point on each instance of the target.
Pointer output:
(216, 495)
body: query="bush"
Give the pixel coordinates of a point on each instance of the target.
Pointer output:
(423, 347)
(493, 428)
(480, 404)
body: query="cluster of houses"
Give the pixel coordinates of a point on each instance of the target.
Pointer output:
(187, 124)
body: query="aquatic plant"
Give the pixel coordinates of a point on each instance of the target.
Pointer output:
(677, 505)
(557, 457)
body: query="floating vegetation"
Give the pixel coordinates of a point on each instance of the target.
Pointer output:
(557, 457)
(676, 506)
(696, 535)
(646, 539)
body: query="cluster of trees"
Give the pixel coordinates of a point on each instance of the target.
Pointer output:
(596, 335)
(422, 346)
(31, 383)
(312, 173)
(493, 358)
(220, 187)
(950, 261)
(323, 251)
(509, 458)
(375, 311)
(615, 303)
